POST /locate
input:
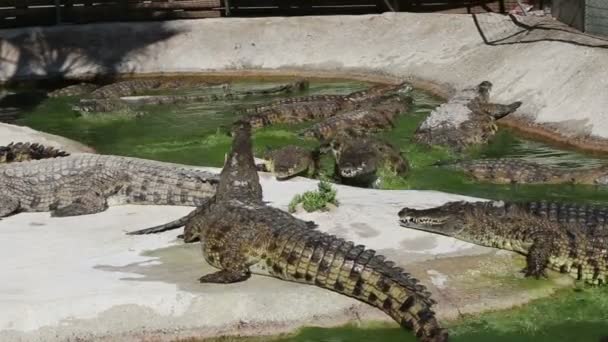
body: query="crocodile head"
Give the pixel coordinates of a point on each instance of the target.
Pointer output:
(6, 154)
(288, 161)
(451, 219)
(357, 160)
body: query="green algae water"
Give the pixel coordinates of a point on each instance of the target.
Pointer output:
(195, 134)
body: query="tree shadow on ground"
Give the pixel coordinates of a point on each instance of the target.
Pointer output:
(52, 57)
(511, 30)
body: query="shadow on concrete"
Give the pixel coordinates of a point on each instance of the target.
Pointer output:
(54, 54)
(531, 29)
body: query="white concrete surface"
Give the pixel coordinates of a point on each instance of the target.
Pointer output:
(561, 77)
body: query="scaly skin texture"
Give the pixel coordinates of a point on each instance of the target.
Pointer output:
(566, 248)
(310, 108)
(380, 114)
(240, 235)
(477, 126)
(127, 102)
(82, 184)
(24, 151)
(74, 90)
(358, 159)
(138, 86)
(290, 161)
(506, 171)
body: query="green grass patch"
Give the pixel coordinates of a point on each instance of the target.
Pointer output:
(315, 200)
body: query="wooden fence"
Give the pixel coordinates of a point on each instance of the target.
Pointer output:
(15, 13)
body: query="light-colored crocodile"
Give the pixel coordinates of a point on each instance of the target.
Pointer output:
(83, 183)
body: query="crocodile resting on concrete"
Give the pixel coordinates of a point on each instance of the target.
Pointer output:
(379, 114)
(358, 159)
(566, 248)
(315, 107)
(510, 171)
(240, 236)
(19, 152)
(467, 119)
(84, 183)
(290, 161)
(127, 102)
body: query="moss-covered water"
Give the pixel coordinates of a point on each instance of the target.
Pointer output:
(194, 134)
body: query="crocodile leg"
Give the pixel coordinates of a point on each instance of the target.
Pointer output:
(226, 276)
(538, 258)
(8, 206)
(91, 203)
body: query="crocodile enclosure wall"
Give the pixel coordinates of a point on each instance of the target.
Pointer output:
(561, 76)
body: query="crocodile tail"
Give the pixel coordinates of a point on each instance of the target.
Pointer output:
(17, 152)
(175, 224)
(316, 258)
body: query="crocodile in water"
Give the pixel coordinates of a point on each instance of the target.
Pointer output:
(126, 103)
(358, 159)
(566, 248)
(24, 151)
(380, 114)
(240, 235)
(315, 107)
(83, 183)
(506, 171)
(467, 119)
(78, 89)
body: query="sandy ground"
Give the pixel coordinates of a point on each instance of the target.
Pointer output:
(82, 278)
(560, 75)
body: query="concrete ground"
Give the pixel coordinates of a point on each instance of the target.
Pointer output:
(81, 278)
(560, 75)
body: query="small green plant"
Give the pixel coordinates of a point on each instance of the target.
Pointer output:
(315, 200)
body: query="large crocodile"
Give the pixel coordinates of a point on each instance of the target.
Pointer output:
(78, 89)
(379, 114)
(127, 103)
(506, 171)
(83, 183)
(241, 235)
(20, 151)
(467, 119)
(566, 248)
(315, 107)
(358, 159)
(290, 161)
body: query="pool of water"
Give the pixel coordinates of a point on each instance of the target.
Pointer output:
(195, 134)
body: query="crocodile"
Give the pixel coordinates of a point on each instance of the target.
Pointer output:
(138, 86)
(379, 114)
(78, 89)
(315, 107)
(126, 103)
(358, 159)
(84, 183)
(565, 248)
(467, 119)
(18, 152)
(290, 161)
(511, 171)
(240, 235)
